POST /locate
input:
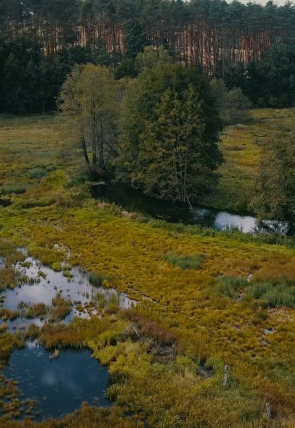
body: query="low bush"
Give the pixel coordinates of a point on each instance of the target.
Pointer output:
(151, 329)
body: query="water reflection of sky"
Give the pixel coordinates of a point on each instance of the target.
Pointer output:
(224, 220)
(60, 385)
(77, 289)
(134, 200)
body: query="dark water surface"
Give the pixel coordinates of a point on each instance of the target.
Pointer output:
(5, 202)
(59, 385)
(134, 200)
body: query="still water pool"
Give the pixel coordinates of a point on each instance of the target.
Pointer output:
(59, 385)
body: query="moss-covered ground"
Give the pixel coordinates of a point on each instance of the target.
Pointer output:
(191, 322)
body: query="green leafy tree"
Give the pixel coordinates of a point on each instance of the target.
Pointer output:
(89, 99)
(169, 113)
(176, 160)
(21, 74)
(135, 39)
(275, 185)
(233, 105)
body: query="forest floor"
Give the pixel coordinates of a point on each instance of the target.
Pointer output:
(201, 313)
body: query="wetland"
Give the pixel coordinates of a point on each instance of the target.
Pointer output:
(136, 302)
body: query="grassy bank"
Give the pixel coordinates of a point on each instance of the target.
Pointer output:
(240, 145)
(196, 280)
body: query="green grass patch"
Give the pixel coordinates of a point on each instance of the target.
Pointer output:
(194, 261)
(36, 173)
(229, 284)
(97, 279)
(16, 188)
(274, 293)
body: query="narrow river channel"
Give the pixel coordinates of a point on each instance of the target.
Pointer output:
(134, 200)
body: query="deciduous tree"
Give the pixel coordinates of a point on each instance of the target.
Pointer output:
(275, 186)
(169, 130)
(89, 99)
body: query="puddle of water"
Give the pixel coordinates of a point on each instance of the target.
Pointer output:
(204, 371)
(5, 202)
(268, 331)
(78, 289)
(60, 385)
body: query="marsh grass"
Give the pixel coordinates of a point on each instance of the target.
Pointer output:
(277, 292)
(180, 302)
(274, 293)
(39, 310)
(7, 314)
(113, 304)
(229, 284)
(194, 261)
(86, 416)
(16, 188)
(97, 279)
(36, 173)
(61, 307)
(8, 342)
(241, 147)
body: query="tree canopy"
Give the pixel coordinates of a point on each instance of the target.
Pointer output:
(169, 130)
(248, 46)
(275, 186)
(89, 99)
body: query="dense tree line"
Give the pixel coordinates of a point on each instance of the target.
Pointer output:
(248, 46)
(212, 33)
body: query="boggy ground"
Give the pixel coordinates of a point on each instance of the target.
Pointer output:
(201, 313)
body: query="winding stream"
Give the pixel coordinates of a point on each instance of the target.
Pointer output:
(134, 200)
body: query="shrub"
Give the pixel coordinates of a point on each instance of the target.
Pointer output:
(194, 261)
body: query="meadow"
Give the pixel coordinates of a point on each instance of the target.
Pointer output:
(197, 311)
(240, 146)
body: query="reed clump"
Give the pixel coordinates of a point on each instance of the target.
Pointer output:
(61, 307)
(97, 279)
(194, 261)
